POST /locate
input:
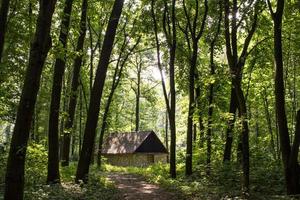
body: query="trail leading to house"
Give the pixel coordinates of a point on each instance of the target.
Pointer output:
(134, 187)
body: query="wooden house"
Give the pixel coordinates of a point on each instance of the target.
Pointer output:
(140, 148)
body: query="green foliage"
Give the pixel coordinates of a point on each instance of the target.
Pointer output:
(98, 188)
(36, 164)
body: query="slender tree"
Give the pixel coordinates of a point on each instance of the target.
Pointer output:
(236, 64)
(160, 68)
(193, 33)
(170, 32)
(74, 86)
(289, 152)
(59, 68)
(213, 41)
(138, 65)
(94, 106)
(14, 180)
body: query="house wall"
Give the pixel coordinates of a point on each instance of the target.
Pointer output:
(137, 160)
(160, 158)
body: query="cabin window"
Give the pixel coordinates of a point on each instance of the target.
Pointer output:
(150, 158)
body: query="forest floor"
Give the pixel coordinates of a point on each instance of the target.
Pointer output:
(135, 187)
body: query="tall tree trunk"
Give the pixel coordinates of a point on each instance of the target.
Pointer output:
(80, 121)
(166, 97)
(269, 122)
(14, 180)
(59, 68)
(289, 154)
(245, 136)
(74, 87)
(230, 126)
(137, 97)
(3, 23)
(200, 119)
(167, 134)
(211, 89)
(170, 34)
(62, 120)
(189, 140)
(236, 64)
(94, 107)
(192, 32)
(172, 117)
(210, 109)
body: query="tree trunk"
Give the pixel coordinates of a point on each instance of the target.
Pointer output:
(244, 136)
(74, 87)
(170, 34)
(211, 89)
(59, 68)
(93, 112)
(269, 122)
(104, 125)
(167, 134)
(236, 64)
(293, 184)
(210, 110)
(14, 180)
(3, 23)
(167, 101)
(200, 120)
(137, 98)
(195, 35)
(289, 154)
(189, 140)
(230, 126)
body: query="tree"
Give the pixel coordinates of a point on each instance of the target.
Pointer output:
(236, 63)
(169, 30)
(74, 86)
(192, 35)
(14, 180)
(3, 23)
(289, 153)
(160, 68)
(59, 68)
(212, 45)
(94, 106)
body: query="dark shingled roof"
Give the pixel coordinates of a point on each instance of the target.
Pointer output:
(133, 142)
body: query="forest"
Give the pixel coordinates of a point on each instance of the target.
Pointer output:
(218, 81)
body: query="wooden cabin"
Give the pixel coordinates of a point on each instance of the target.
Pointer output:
(140, 149)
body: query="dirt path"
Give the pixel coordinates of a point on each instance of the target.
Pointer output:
(133, 187)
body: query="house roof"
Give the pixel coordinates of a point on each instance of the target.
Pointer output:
(133, 142)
